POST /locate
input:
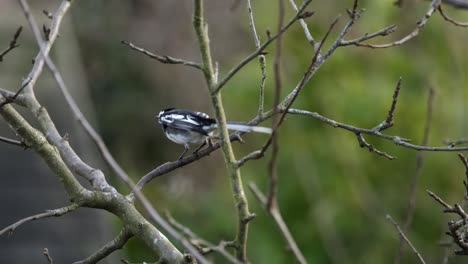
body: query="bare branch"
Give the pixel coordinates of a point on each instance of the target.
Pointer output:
(14, 142)
(419, 26)
(237, 188)
(202, 245)
(94, 176)
(115, 244)
(259, 51)
(388, 122)
(451, 20)
(421, 260)
(49, 213)
(417, 174)
(13, 43)
(304, 26)
(261, 60)
(380, 33)
(453, 143)
(363, 144)
(163, 59)
(156, 217)
(273, 176)
(396, 139)
(457, 229)
(12, 98)
(275, 213)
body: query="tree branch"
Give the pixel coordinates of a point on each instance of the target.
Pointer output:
(419, 26)
(49, 213)
(163, 59)
(259, 51)
(202, 245)
(115, 244)
(94, 176)
(13, 44)
(275, 213)
(417, 174)
(243, 214)
(421, 259)
(451, 20)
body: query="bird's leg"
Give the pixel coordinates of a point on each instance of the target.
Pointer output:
(185, 151)
(200, 147)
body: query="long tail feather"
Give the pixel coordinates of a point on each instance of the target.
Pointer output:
(247, 128)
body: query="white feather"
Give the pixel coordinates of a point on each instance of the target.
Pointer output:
(247, 128)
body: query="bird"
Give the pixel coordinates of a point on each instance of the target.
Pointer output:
(188, 127)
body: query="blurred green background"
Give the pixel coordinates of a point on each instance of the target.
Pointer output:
(334, 196)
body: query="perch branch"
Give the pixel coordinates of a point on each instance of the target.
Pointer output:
(162, 59)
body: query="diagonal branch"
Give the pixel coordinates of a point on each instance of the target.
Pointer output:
(417, 174)
(94, 176)
(49, 213)
(419, 26)
(13, 44)
(163, 59)
(388, 122)
(115, 244)
(421, 259)
(14, 142)
(202, 245)
(299, 14)
(272, 172)
(275, 213)
(451, 20)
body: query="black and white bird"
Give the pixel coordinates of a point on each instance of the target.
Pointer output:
(188, 127)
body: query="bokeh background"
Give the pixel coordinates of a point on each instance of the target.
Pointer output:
(334, 195)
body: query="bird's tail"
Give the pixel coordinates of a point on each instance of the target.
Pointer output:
(247, 128)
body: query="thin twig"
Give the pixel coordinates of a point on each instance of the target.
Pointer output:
(237, 188)
(13, 43)
(419, 26)
(259, 51)
(451, 20)
(204, 246)
(272, 172)
(388, 122)
(421, 259)
(115, 244)
(163, 59)
(14, 142)
(416, 176)
(96, 177)
(380, 33)
(11, 99)
(363, 144)
(453, 143)
(49, 213)
(261, 59)
(276, 215)
(47, 255)
(304, 26)
(396, 139)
